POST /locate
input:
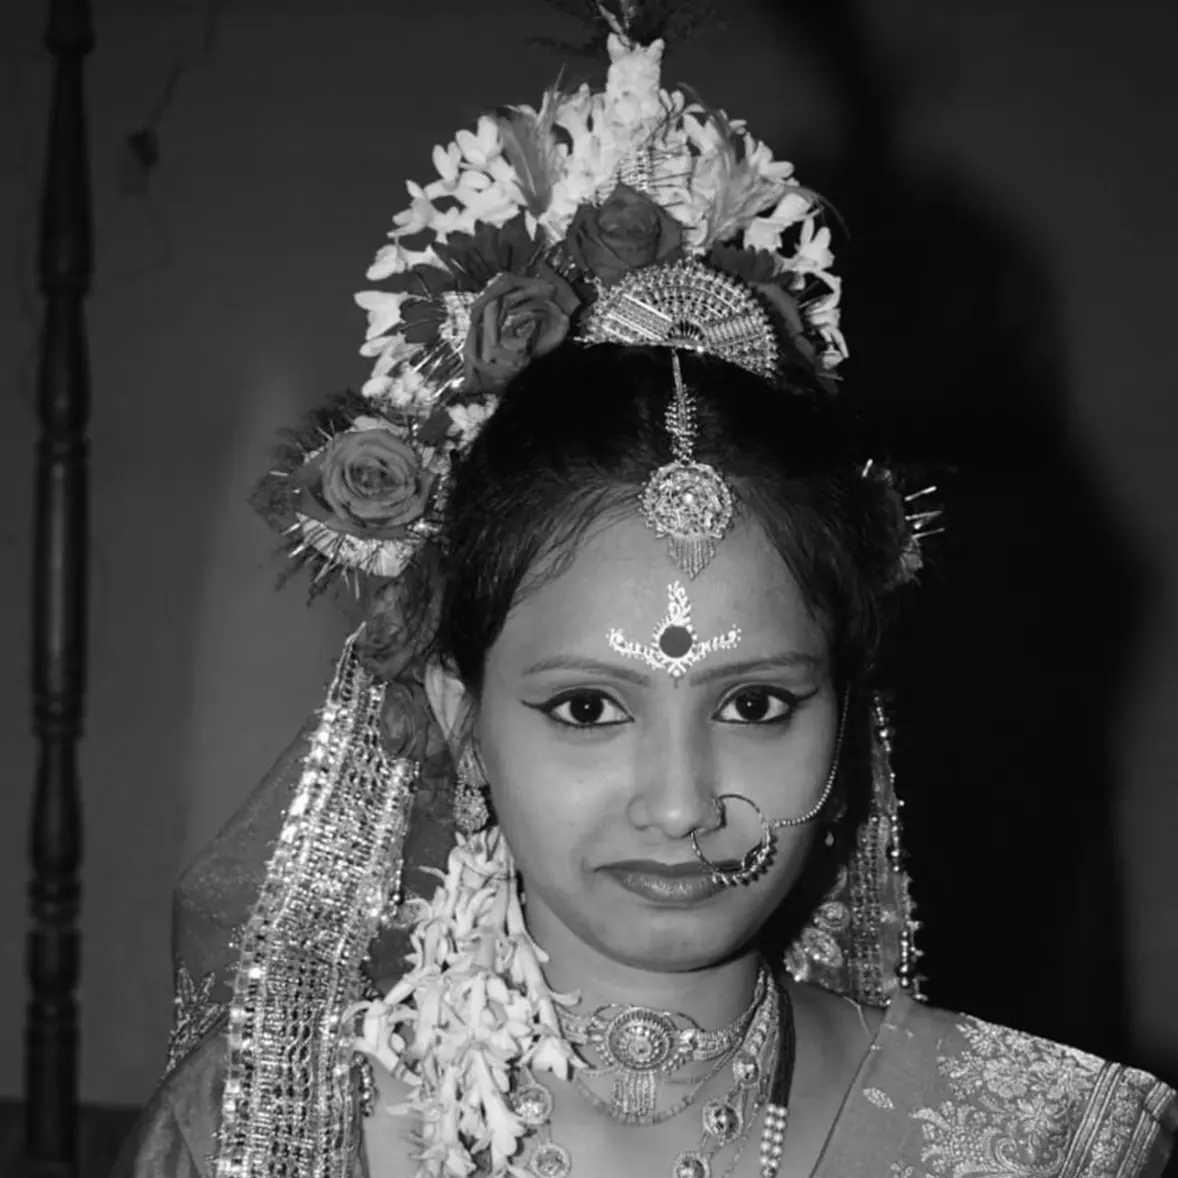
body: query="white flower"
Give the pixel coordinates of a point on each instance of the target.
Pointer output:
(393, 375)
(467, 1018)
(824, 310)
(395, 258)
(469, 419)
(446, 161)
(384, 310)
(764, 232)
(813, 253)
(420, 214)
(760, 159)
(495, 203)
(405, 389)
(482, 146)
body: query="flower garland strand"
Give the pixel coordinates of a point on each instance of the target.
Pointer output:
(473, 1009)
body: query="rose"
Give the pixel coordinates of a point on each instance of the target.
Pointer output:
(367, 483)
(628, 231)
(516, 318)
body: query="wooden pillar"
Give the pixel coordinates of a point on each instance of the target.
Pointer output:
(59, 610)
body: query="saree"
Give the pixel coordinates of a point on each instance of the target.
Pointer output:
(937, 1095)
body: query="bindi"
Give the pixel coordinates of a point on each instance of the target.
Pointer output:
(675, 646)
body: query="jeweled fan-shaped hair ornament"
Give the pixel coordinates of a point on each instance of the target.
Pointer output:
(686, 305)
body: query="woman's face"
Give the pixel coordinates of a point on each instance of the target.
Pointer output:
(601, 765)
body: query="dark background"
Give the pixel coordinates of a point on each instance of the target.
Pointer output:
(1005, 174)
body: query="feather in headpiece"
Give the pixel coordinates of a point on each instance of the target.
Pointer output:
(642, 22)
(743, 185)
(532, 150)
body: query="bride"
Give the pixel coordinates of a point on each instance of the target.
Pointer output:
(591, 864)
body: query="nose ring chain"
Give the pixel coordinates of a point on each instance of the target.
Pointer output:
(820, 805)
(754, 861)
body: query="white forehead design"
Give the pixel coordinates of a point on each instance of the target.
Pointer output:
(675, 646)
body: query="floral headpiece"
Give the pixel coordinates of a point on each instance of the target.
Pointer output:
(602, 215)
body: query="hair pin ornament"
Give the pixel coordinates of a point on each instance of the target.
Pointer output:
(675, 647)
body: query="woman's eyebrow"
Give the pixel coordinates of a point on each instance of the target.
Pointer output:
(790, 660)
(570, 662)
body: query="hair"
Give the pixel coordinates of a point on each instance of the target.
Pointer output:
(570, 446)
(578, 434)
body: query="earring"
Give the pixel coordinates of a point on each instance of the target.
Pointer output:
(470, 806)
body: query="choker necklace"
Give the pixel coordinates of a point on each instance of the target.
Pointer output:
(639, 1046)
(762, 1071)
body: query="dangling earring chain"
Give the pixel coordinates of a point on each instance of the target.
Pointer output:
(820, 805)
(470, 805)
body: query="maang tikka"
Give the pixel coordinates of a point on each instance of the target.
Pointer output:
(686, 501)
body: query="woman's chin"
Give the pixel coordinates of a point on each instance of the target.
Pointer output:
(679, 941)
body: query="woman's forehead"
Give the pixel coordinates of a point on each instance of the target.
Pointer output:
(620, 579)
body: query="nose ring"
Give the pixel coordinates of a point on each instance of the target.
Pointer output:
(754, 861)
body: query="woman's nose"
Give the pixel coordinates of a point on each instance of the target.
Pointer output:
(675, 788)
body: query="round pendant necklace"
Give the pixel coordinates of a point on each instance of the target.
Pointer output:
(762, 1064)
(638, 1046)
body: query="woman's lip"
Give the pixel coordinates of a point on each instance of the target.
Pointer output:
(654, 867)
(673, 884)
(670, 870)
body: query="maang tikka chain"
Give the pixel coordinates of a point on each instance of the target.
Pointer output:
(686, 501)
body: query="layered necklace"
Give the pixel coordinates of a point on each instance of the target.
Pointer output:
(641, 1049)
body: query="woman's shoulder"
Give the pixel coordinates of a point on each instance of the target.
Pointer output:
(946, 1085)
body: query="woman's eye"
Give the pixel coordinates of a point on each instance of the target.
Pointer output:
(586, 709)
(758, 705)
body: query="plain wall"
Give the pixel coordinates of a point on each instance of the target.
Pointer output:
(222, 310)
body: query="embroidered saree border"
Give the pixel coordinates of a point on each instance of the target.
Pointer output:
(287, 1109)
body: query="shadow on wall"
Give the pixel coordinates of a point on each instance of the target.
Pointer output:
(1011, 662)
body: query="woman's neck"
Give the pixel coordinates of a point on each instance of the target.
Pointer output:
(712, 997)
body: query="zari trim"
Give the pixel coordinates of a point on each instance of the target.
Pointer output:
(287, 1109)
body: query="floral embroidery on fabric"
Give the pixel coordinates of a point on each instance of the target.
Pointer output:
(1023, 1107)
(879, 1098)
(196, 1014)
